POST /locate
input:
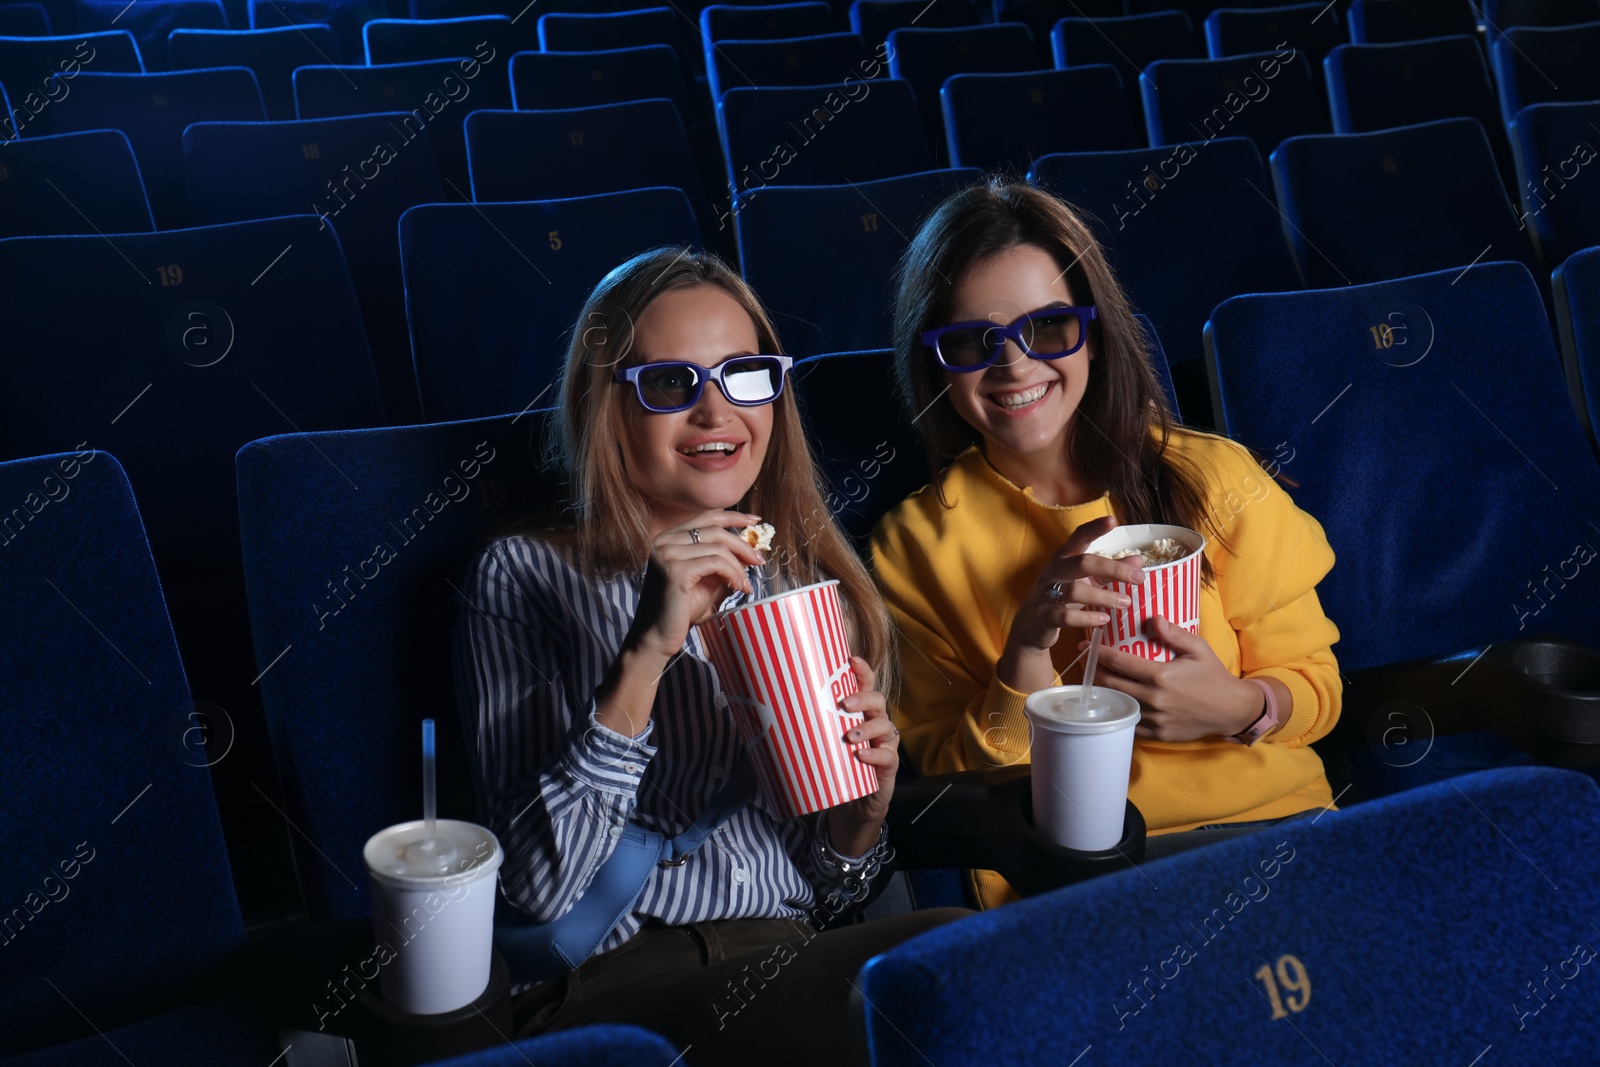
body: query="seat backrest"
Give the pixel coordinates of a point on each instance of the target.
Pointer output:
(116, 882)
(822, 59)
(1184, 228)
(24, 20)
(355, 612)
(358, 173)
(1352, 379)
(995, 121)
(272, 54)
(344, 17)
(1265, 97)
(1129, 43)
(1554, 144)
(1361, 207)
(172, 349)
(153, 110)
(492, 339)
(1537, 65)
(72, 183)
(1386, 21)
(151, 22)
(819, 135)
(417, 40)
(1210, 950)
(737, 22)
(28, 63)
(925, 58)
(1577, 290)
(552, 80)
(822, 256)
(1309, 28)
(592, 30)
(874, 20)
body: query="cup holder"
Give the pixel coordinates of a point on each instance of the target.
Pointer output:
(1561, 687)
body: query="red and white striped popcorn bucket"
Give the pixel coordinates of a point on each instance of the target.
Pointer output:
(784, 665)
(1171, 590)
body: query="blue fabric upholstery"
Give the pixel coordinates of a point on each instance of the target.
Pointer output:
(344, 17)
(1423, 460)
(153, 110)
(821, 135)
(1380, 86)
(998, 121)
(1184, 229)
(201, 1036)
(116, 885)
(272, 54)
(94, 170)
(1538, 65)
(352, 588)
(765, 22)
(1418, 919)
(925, 58)
(1385, 21)
(874, 20)
(1552, 144)
(491, 339)
(1367, 206)
(419, 40)
(24, 20)
(1129, 43)
(822, 59)
(571, 31)
(542, 81)
(1161, 365)
(136, 358)
(548, 155)
(151, 21)
(821, 256)
(1577, 288)
(438, 93)
(337, 167)
(586, 1046)
(26, 63)
(1309, 28)
(1201, 99)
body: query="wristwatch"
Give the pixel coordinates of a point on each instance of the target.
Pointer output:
(1263, 726)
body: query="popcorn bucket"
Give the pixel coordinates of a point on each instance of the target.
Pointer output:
(784, 666)
(1171, 590)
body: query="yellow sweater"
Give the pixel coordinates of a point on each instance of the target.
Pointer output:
(953, 578)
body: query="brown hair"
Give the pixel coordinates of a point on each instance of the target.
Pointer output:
(1123, 424)
(606, 520)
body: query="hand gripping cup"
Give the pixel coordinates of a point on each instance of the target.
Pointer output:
(784, 665)
(433, 906)
(1171, 590)
(1082, 754)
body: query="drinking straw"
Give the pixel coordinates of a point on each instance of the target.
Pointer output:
(1088, 667)
(429, 804)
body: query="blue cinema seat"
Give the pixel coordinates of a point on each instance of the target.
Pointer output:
(72, 183)
(1184, 229)
(272, 54)
(354, 543)
(438, 93)
(1299, 944)
(926, 57)
(542, 81)
(823, 59)
(1419, 454)
(153, 110)
(120, 912)
(586, 1046)
(419, 40)
(1386, 21)
(1129, 43)
(358, 173)
(1577, 291)
(151, 22)
(491, 339)
(1361, 207)
(602, 31)
(1555, 146)
(343, 17)
(1540, 65)
(1265, 96)
(27, 65)
(875, 20)
(1309, 28)
(764, 22)
(999, 121)
(820, 135)
(822, 256)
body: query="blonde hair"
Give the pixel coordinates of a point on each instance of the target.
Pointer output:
(606, 521)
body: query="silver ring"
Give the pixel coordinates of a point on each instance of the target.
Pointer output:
(694, 535)
(1057, 591)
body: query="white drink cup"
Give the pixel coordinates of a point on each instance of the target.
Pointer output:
(433, 906)
(1081, 758)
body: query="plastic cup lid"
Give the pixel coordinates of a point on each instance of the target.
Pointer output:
(464, 852)
(1061, 711)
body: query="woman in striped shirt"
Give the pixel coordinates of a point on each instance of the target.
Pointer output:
(589, 703)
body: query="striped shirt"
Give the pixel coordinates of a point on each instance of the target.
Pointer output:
(533, 644)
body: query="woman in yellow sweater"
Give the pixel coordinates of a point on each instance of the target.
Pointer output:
(1031, 383)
